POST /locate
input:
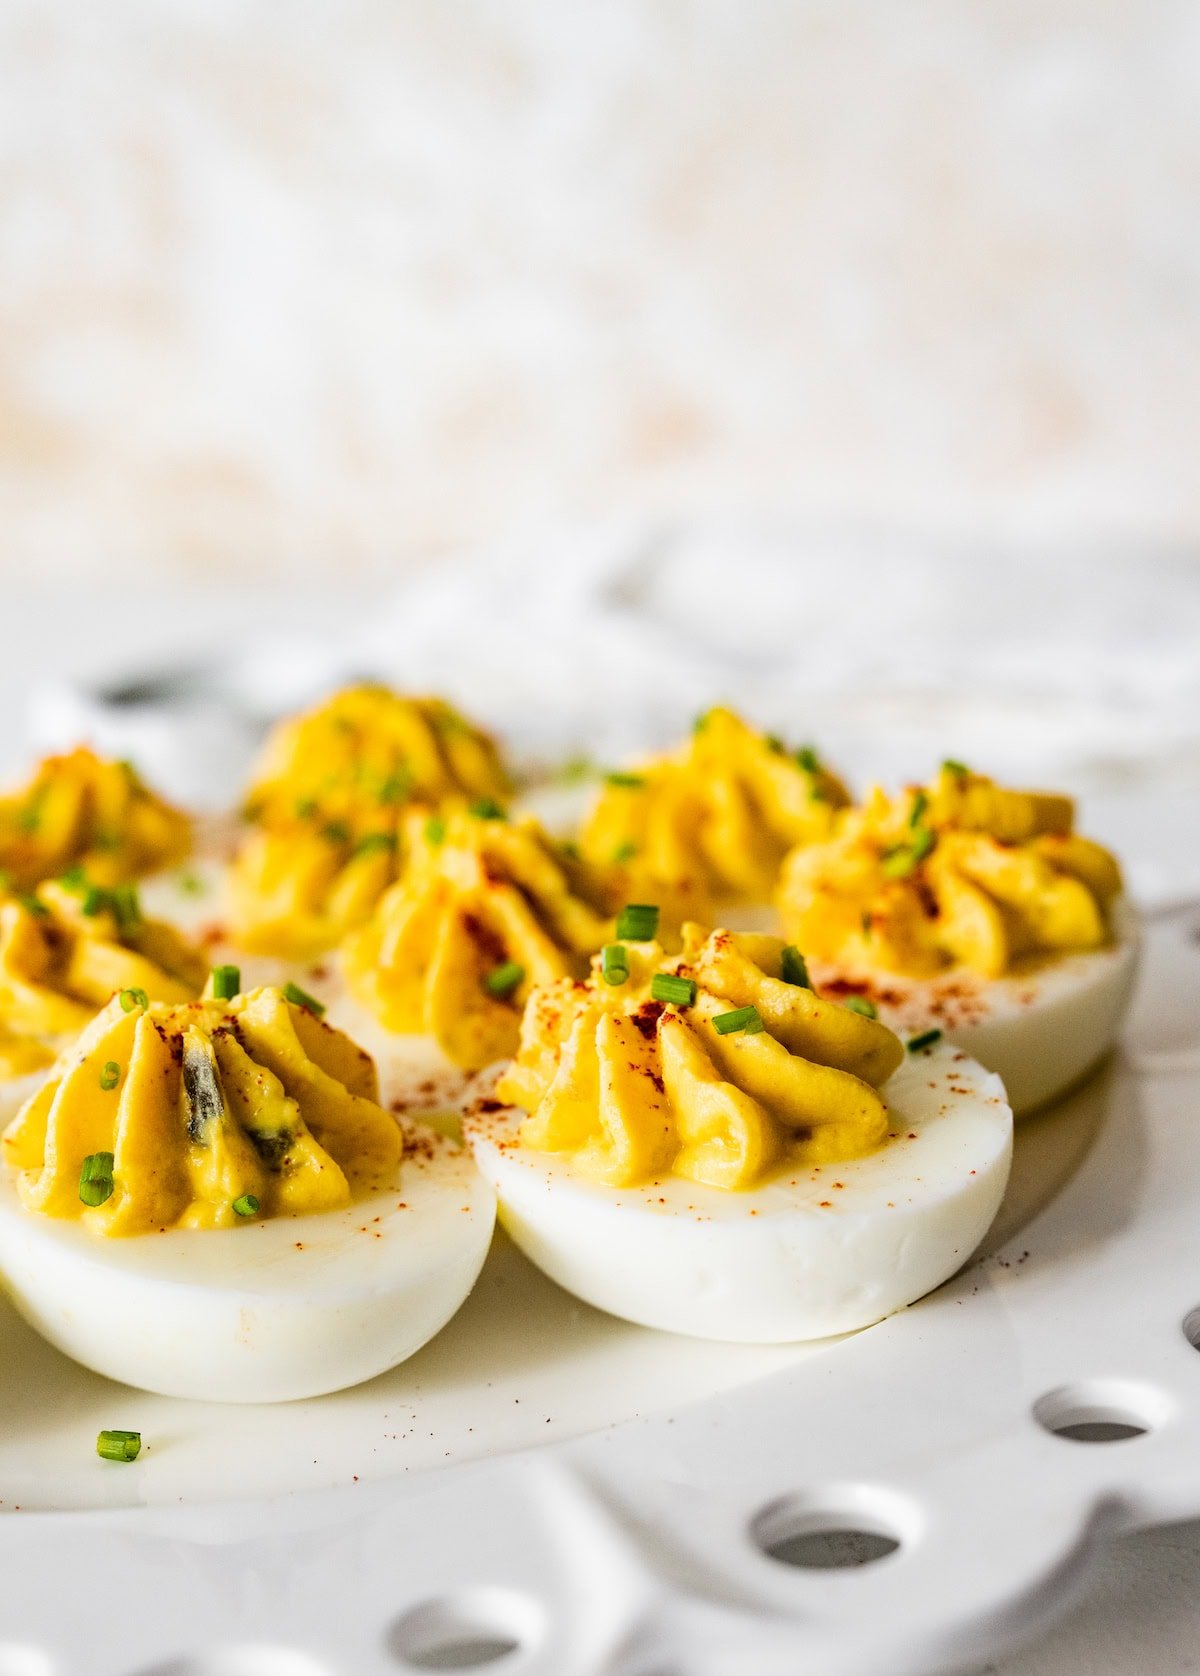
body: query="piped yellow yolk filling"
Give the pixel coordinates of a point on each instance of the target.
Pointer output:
(80, 808)
(330, 801)
(64, 950)
(367, 751)
(484, 911)
(962, 873)
(632, 1087)
(711, 823)
(202, 1115)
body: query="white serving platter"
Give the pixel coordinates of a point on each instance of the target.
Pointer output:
(544, 1491)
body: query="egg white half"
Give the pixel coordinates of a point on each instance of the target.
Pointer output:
(268, 1311)
(1041, 1030)
(819, 1251)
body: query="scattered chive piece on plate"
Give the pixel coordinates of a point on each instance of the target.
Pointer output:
(793, 968)
(226, 982)
(638, 922)
(110, 1076)
(487, 809)
(808, 759)
(619, 777)
(926, 1039)
(667, 986)
(337, 832)
(624, 852)
(745, 1019)
(958, 769)
(614, 963)
(96, 1178)
(860, 1004)
(435, 831)
(502, 980)
(247, 1205)
(131, 998)
(119, 1446)
(301, 998)
(920, 803)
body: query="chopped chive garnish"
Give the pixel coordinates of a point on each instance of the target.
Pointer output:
(680, 992)
(958, 769)
(33, 906)
(808, 759)
(435, 831)
(375, 842)
(614, 963)
(398, 786)
(700, 722)
(74, 878)
(904, 859)
(301, 998)
(860, 1004)
(119, 1446)
(926, 1039)
(745, 1019)
(126, 907)
(502, 980)
(306, 808)
(95, 901)
(920, 803)
(793, 968)
(96, 1178)
(337, 832)
(247, 1205)
(191, 884)
(574, 770)
(624, 852)
(638, 921)
(570, 849)
(774, 744)
(131, 998)
(487, 809)
(618, 777)
(110, 1076)
(226, 982)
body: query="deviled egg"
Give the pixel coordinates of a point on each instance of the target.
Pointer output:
(205, 1199)
(973, 909)
(705, 1144)
(710, 824)
(485, 910)
(326, 808)
(66, 946)
(83, 809)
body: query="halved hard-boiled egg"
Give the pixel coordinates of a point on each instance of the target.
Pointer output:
(704, 1144)
(326, 808)
(83, 809)
(709, 825)
(484, 910)
(977, 910)
(205, 1199)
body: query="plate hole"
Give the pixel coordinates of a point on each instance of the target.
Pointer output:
(479, 1629)
(1100, 1411)
(839, 1531)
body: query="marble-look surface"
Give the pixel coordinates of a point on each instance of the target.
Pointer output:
(337, 285)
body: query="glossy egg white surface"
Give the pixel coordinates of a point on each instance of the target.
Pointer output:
(268, 1311)
(825, 1250)
(1041, 1030)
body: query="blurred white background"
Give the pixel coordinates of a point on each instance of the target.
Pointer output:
(325, 289)
(588, 362)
